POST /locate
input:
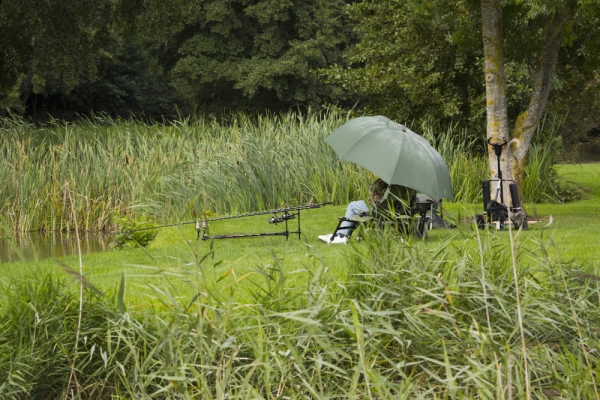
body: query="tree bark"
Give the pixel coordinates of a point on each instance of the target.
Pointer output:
(512, 161)
(495, 84)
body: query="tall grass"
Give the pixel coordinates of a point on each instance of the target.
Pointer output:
(408, 322)
(464, 157)
(176, 171)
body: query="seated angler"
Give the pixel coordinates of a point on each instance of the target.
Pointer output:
(383, 198)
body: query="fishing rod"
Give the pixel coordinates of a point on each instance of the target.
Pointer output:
(280, 215)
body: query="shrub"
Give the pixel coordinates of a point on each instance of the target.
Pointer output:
(132, 232)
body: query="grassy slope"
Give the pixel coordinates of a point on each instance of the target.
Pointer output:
(578, 222)
(575, 231)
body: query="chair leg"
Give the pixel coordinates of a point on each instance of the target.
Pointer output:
(421, 227)
(339, 227)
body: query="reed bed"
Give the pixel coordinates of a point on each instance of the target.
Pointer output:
(170, 171)
(409, 322)
(543, 184)
(465, 159)
(177, 171)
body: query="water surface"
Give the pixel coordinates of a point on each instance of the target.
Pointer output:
(589, 152)
(41, 245)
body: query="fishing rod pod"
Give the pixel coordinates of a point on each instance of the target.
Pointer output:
(280, 215)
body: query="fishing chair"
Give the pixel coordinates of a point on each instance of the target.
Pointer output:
(413, 218)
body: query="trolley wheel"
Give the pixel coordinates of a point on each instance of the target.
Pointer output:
(480, 221)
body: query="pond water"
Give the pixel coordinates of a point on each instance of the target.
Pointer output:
(589, 152)
(37, 246)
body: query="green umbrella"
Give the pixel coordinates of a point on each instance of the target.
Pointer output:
(394, 153)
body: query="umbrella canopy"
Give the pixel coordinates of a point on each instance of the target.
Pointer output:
(394, 153)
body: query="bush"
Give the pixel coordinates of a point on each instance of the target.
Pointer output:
(134, 232)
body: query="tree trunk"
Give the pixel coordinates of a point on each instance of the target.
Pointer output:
(512, 160)
(495, 84)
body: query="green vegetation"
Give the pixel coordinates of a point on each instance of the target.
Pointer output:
(156, 59)
(416, 60)
(173, 172)
(134, 232)
(266, 318)
(176, 172)
(465, 314)
(405, 59)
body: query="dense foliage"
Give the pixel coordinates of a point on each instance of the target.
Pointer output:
(416, 60)
(133, 232)
(244, 55)
(409, 60)
(179, 170)
(424, 61)
(151, 58)
(50, 47)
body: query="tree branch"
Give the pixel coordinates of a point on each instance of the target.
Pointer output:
(543, 77)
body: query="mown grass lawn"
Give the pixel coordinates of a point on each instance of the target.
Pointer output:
(571, 229)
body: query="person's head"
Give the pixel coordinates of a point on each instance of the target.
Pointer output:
(377, 190)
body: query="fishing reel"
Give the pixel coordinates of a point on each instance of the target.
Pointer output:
(277, 219)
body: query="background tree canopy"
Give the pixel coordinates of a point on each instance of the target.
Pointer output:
(146, 57)
(248, 55)
(416, 60)
(410, 60)
(423, 61)
(50, 46)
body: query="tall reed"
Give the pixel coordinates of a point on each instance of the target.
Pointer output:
(408, 322)
(178, 170)
(464, 157)
(542, 182)
(172, 171)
